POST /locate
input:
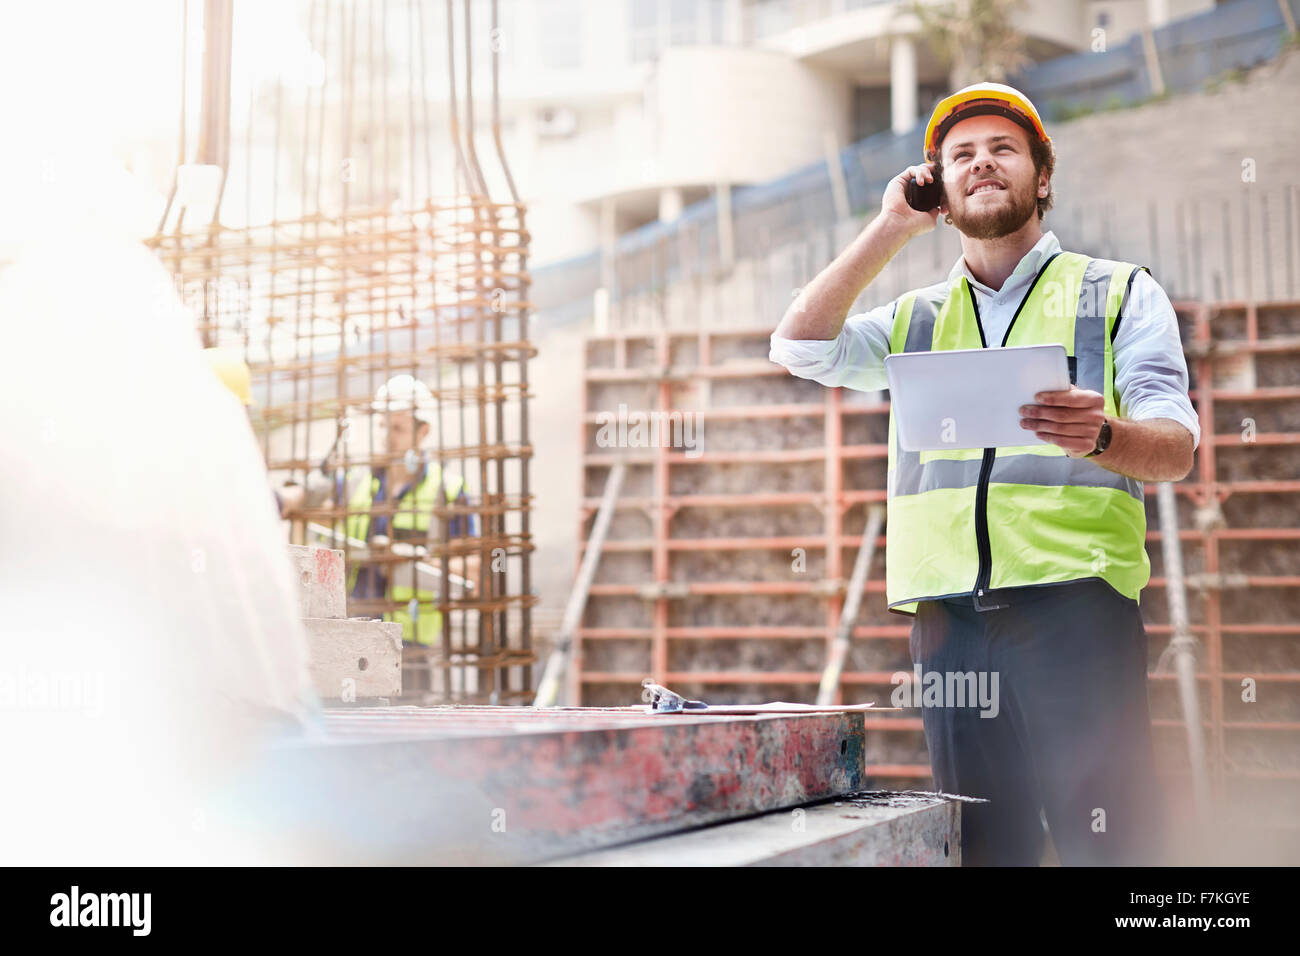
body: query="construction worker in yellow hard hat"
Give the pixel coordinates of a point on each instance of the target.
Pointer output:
(981, 99)
(1020, 565)
(981, 218)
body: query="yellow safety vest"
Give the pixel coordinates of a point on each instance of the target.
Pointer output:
(417, 507)
(970, 521)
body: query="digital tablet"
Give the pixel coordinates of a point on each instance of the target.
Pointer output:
(971, 398)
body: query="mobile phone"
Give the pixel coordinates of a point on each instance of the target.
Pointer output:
(923, 198)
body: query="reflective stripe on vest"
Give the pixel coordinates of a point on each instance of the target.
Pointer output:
(417, 507)
(969, 520)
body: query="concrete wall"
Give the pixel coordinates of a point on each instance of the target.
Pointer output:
(743, 115)
(1126, 17)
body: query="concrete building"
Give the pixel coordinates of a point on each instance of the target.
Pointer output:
(680, 98)
(614, 113)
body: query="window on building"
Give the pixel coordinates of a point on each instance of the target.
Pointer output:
(684, 21)
(658, 24)
(767, 17)
(645, 30)
(559, 34)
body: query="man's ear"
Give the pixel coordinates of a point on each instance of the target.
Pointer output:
(421, 433)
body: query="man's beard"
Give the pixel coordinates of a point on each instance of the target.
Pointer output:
(1002, 217)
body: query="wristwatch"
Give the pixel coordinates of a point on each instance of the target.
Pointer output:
(1103, 439)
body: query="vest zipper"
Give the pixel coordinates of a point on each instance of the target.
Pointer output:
(985, 572)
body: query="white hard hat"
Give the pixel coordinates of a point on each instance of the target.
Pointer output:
(404, 393)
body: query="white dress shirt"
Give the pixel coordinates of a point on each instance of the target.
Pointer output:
(1150, 370)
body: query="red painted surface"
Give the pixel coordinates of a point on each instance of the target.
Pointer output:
(329, 568)
(603, 774)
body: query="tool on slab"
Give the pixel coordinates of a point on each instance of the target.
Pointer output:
(664, 701)
(660, 700)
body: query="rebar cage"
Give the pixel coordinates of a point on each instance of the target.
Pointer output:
(370, 278)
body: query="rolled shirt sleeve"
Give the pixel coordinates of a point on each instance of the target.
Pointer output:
(1150, 368)
(853, 359)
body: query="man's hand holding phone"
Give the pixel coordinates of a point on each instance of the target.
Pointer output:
(924, 189)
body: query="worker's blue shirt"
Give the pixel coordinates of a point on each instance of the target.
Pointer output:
(371, 580)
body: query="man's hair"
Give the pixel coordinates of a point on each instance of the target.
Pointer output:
(1044, 157)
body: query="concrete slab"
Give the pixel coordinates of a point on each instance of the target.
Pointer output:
(352, 660)
(499, 785)
(920, 832)
(321, 579)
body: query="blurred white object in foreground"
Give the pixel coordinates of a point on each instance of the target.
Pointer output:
(150, 632)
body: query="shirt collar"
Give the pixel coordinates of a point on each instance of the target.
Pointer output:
(1031, 263)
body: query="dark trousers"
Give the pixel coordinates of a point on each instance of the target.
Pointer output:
(1072, 733)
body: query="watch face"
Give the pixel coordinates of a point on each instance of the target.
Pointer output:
(1103, 440)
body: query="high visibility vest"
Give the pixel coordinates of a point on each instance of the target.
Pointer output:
(415, 509)
(969, 521)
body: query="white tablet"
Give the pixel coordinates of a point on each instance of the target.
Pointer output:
(971, 398)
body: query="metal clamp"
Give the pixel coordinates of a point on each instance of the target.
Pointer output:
(664, 701)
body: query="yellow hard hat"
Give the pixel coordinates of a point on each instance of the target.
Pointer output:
(233, 372)
(979, 100)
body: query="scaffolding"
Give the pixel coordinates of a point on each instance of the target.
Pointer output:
(362, 273)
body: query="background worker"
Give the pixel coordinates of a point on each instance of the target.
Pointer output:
(1026, 562)
(398, 406)
(402, 408)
